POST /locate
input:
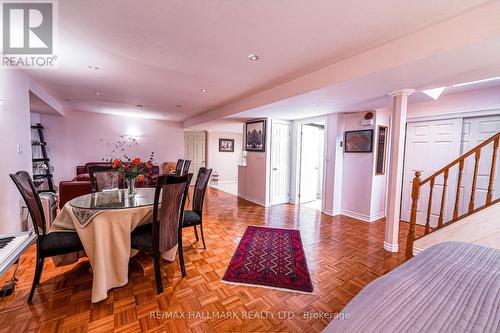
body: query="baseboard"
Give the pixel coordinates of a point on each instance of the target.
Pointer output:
(362, 217)
(391, 247)
(377, 216)
(252, 199)
(331, 212)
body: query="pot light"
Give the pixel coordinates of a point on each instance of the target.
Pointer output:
(67, 99)
(253, 57)
(99, 106)
(98, 93)
(204, 90)
(139, 106)
(178, 105)
(478, 81)
(434, 93)
(93, 67)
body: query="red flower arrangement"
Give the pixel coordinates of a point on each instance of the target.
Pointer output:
(135, 168)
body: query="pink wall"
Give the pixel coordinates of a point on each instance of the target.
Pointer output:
(74, 139)
(15, 130)
(357, 175)
(224, 163)
(253, 179)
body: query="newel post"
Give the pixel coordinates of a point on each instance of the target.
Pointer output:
(415, 193)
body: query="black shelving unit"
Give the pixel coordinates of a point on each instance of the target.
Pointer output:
(46, 177)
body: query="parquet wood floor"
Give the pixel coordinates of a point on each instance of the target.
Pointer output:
(343, 255)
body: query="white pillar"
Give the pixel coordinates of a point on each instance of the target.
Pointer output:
(397, 135)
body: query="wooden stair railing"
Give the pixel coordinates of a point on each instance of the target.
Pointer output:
(417, 184)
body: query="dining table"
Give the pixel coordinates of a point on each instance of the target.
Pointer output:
(104, 222)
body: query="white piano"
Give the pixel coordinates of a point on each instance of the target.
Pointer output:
(12, 247)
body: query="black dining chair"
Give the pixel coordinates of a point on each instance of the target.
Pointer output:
(182, 167)
(194, 217)
(164, 231)
(103, 178)
(47, 244)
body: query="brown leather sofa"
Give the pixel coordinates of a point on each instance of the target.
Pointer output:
(80, 185)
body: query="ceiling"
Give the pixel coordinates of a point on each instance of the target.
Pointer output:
(477, 61)
(162, 55)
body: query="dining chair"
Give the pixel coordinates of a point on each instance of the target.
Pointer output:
(47, 244)
(182, 167)
(103, 178)
(194, 217)
(164, 231)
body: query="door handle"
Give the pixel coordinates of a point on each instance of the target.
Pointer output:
(275, 169)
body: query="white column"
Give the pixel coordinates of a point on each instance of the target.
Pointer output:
(395, 167)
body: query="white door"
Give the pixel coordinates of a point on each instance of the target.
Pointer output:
(194, 148)
(430, 146)
(280, 162)
(475, 131)
(310, 152)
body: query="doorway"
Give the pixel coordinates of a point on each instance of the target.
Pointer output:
(312, 138)
(280, 163)
(195, 150)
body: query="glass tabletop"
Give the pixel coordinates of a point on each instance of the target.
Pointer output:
(116, 199)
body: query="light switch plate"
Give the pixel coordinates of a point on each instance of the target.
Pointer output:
(19, 148)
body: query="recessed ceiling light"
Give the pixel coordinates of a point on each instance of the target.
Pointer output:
(99, 106)
(253, 57)
(203, 90)
(434, 93)
(139, 106)
(478, 81)
(178, 105)
(67, 99)
(99, 93)
(94, 67)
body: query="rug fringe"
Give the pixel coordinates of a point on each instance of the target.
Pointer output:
(268, 287)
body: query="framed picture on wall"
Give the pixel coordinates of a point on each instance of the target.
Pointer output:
(255, 135)
(360, 141)
(226, 145)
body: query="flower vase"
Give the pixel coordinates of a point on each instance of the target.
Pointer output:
(131, 186)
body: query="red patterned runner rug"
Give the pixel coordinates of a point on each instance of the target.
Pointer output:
(272, 258)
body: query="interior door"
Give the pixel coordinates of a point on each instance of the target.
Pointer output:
(430, 146)
(309, 167)
(475, 131)
(194, 148)
(280, 162)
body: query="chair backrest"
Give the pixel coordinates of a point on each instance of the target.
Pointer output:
(168, 217)
(103, 178)
(27, 189)
(200, 188)
(185, 168)
(182, 167)
(178, 167)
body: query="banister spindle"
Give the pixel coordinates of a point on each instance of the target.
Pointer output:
(443, 198)
(459, 183)
(429, 207)
(492, 172)
(474, 181)
(413, 217)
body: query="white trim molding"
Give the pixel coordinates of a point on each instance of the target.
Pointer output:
(391, 247)
(330, 212)
(362, 217)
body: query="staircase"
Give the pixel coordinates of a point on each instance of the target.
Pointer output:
(430, 181)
